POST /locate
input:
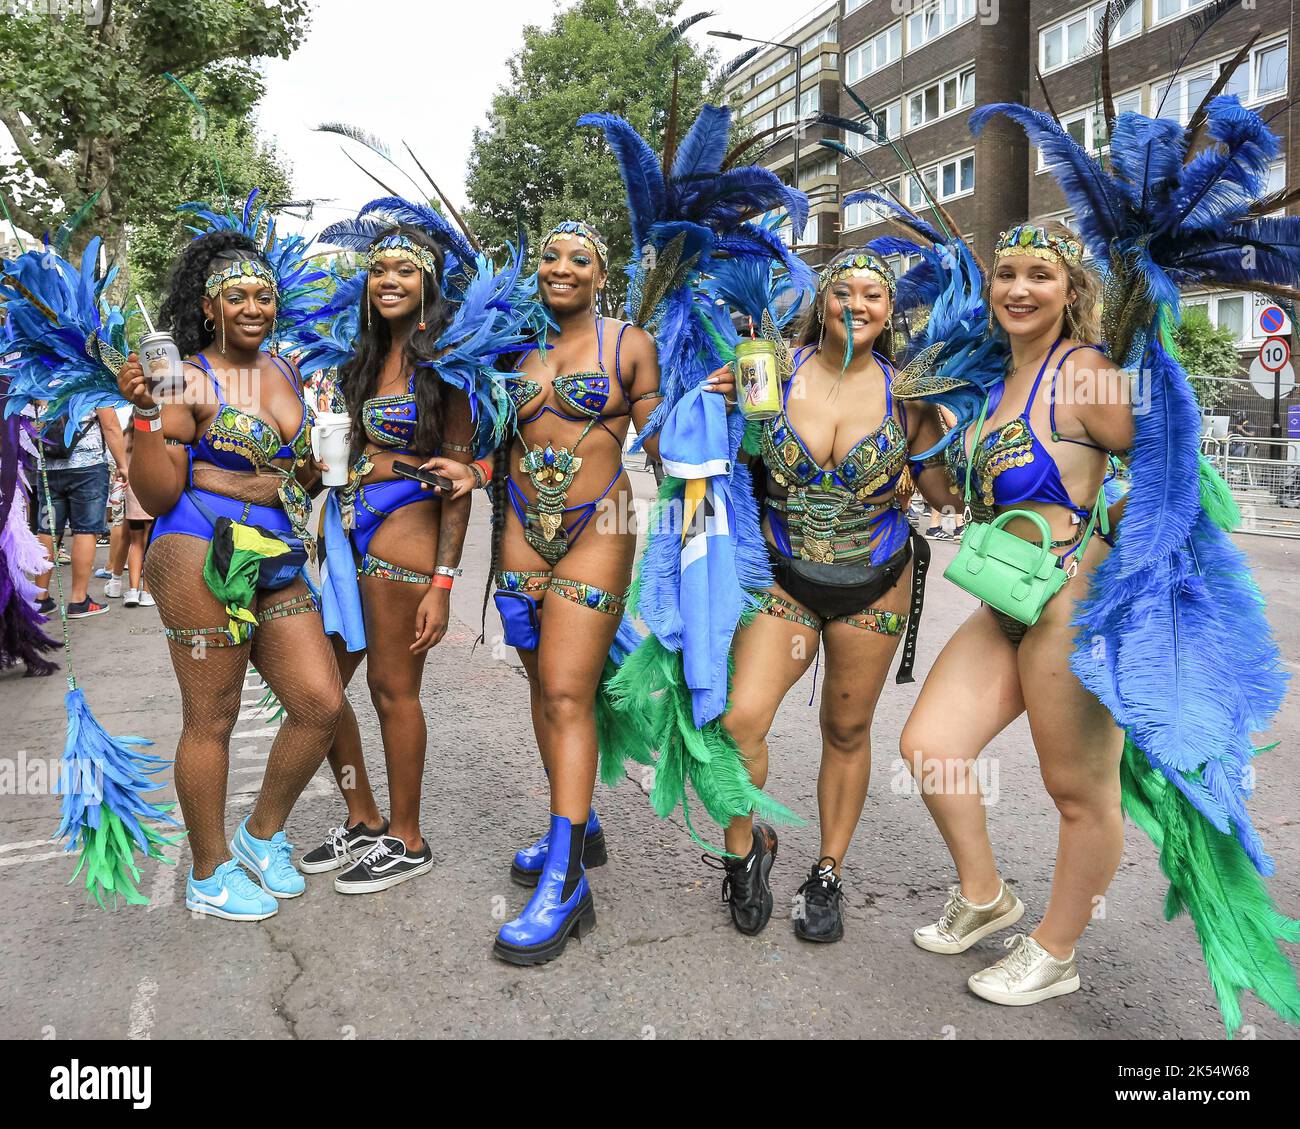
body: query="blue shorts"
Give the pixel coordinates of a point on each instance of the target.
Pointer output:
(80, 497)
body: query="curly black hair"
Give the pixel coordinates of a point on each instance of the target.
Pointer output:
(182, 309)
(359, 376)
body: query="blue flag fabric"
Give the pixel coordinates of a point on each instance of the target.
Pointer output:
(340, 592)
(696, 446)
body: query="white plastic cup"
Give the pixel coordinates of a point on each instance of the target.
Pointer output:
(329, 443)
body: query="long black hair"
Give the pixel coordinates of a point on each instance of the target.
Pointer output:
(182, 309)
(359, 376)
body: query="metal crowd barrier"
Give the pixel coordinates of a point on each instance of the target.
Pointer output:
(1264, 477)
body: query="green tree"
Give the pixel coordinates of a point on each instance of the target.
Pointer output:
(532, 166)
(87, 104)
(187, 144)
(1209, 356)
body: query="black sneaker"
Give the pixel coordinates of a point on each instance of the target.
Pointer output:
(745, 886)
(46, 606)
(85, 609)
(386, 864)
(818, 916)
(342, 847)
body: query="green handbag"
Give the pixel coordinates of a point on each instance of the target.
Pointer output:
(1007, 572)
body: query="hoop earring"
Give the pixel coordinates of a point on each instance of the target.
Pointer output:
(209, 324)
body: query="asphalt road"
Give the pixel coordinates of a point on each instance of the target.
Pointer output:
(664, 961)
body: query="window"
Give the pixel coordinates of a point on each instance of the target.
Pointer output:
(760, 99)
(1171, 9)
(1225, 311)
(810, 230)
(1088, 127)
(810, 102)
(940, 99)
(785, 113)
(934, 18)
(785, 84)
(1261, 77)
(878, 51)
(1077, 36)
(769, 70)
(815, 170)
(826, 35)
(828, 60)
(866, 213)
(950, 178)
(767, 121)
(890, 118)
(853, 5)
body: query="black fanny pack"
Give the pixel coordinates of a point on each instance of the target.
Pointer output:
(832, 590)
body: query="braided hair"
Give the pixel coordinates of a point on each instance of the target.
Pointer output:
(359, 376)
(182, 309)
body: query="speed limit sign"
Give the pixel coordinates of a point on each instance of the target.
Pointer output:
(1274, 353)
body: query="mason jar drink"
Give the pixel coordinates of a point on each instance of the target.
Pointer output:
(161, 361)
(757, 385)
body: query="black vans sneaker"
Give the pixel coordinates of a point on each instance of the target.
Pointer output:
(386, 864)
(342, 847)
(745, 886)
(817, 912)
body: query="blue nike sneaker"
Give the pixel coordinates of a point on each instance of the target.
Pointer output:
(269, 861)
(229, 893)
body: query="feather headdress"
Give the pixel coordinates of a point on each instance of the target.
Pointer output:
(297, 281)
(382, 215)
(1172, 637)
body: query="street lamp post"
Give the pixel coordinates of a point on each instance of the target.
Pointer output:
(798, 86)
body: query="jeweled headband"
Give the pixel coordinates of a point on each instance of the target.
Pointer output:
(246, 272)
(575, 229)
(402, 247)
(857, 264)
(1026, 239)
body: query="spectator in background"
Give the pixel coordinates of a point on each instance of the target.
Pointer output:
(78, 489)
(1239, 436)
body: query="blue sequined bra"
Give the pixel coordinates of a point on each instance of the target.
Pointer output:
(586, 394)
(389, 421)
(237, 440)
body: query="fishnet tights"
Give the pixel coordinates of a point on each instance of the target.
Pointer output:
(291, 652)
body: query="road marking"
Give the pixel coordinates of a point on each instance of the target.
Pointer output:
(24, 846)
(36, 858)
(269, 732)
(164, 882)
(142, 1015)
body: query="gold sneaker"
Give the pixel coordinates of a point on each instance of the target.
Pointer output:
(963, 923)
(1026, 975)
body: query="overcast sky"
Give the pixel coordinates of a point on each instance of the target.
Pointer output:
(353, 68)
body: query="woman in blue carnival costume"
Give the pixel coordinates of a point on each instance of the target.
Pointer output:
(1144, 685)
(563, 541)
(393, 546)
(835, 486)
(223, 462)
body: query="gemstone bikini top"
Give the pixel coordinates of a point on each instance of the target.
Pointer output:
(872, 466)
(586, 394)
(389, 421)
(236, 440)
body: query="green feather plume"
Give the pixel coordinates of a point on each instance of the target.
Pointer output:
(1211, 878)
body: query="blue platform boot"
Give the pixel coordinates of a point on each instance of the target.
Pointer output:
(561, 905)
(528, 863)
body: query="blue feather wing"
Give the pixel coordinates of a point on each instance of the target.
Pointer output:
(642, 176)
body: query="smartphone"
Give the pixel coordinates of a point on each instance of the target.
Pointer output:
(437, 481)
